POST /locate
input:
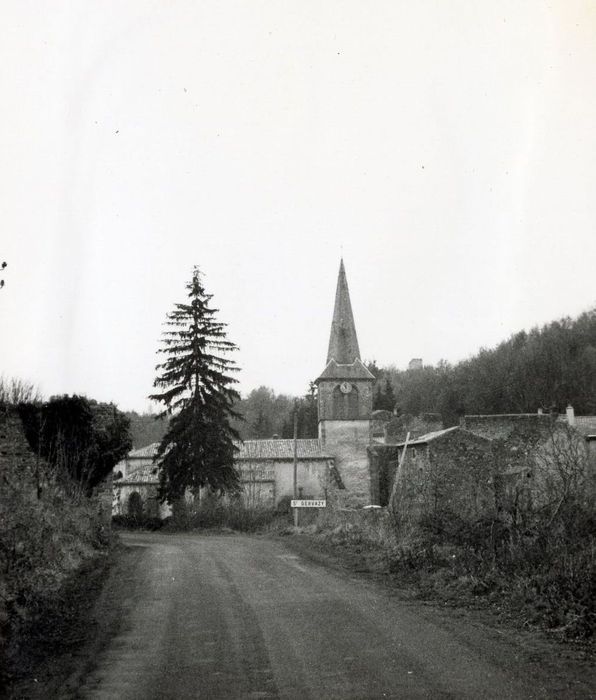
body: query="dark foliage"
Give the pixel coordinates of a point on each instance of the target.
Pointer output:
(266, 414)
(218, 514)
(384, 397)
(80, 438)
(307, 414)
(197, 391)
(146, 428)
(138, 521)
(547, 367)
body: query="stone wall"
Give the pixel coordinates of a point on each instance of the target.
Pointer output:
(348, 443)
(454, 473)
(312, 476)
(591, 448)
(397, 428)
(501, 426)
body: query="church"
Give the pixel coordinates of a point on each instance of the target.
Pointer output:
(334, 466)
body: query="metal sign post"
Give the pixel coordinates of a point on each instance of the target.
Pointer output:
(295, 460)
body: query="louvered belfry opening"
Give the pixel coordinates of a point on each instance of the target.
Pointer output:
(345, 406)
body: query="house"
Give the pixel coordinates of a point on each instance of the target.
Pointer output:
(451, 469)
(539, 454)
(488, 464)
(267, 470)
(135, 485)
(266, 473)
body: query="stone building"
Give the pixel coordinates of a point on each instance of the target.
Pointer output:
(450, 469)
(334, 466)
(135, 482)
(345, 398)
(488, 464)
(266, 473)
(536, 452)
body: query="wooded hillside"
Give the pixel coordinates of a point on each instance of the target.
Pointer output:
(548, 367)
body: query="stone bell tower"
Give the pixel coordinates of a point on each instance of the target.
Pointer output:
(345, 400)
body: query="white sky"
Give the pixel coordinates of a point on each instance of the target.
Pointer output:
(450, 147)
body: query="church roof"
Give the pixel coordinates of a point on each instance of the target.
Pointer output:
(280, 449)
(355, 370)
(343, 342)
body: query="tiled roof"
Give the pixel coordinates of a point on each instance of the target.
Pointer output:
(249, 449)
(423, 439)
(586, 425)
(280, 449)
(355, 370)
(143, 475)
(144, 452)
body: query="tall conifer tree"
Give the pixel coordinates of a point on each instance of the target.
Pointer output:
(197, 392)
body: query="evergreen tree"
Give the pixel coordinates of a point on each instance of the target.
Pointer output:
(384, 399)
(197, 391)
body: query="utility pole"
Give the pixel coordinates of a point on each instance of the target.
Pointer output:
(295, 460)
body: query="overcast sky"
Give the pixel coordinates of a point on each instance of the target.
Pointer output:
(448, 146)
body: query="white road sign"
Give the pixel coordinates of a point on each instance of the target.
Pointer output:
(309, 504)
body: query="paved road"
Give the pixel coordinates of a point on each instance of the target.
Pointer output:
(241, 617)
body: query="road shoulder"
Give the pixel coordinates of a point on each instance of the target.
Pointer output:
(569, 669)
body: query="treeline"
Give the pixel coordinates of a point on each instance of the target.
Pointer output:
(265, 414)
(547, 368)
(146, 428)
(262, 414)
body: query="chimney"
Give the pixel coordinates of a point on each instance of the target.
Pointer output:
(540, 412)
(276, 436)
(570, 415)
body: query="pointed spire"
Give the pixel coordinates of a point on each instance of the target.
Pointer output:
(343, 342)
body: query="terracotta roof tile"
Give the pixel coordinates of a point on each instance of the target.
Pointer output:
(281, 449)
(423, 439)
(586, 425)
(249, 449)
(143, 475)
(144, 452)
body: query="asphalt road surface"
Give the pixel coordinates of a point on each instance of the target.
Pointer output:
(242, 617)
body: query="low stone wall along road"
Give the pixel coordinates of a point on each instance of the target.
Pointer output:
(244, 617)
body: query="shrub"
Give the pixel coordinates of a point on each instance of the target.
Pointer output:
(220, 513)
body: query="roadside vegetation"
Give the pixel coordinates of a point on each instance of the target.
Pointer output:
(530, 557)
(54, 522)
(213, 513)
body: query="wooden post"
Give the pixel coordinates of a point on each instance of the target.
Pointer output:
(398, 472)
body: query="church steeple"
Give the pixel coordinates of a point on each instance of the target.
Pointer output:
(343, 342)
